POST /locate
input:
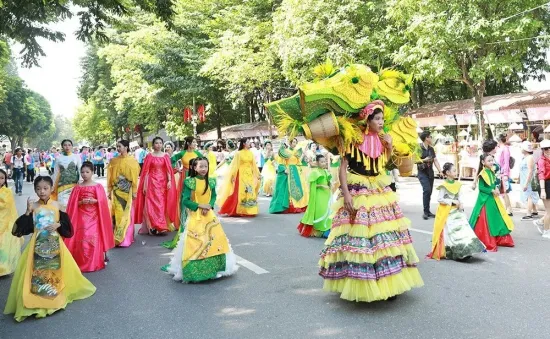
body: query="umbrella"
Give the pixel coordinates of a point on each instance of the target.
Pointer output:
(515, 126)
(439, 128)
(463, 133)
(514, 138)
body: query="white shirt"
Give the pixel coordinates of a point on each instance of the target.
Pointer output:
(257, 156)
(18, 162)
(137, 153)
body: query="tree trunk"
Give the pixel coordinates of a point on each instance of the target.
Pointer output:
(268, 116)
(19, 141)
(479, 90)
(141, 137)
(12, 143)
(219, 121)
(421, 96)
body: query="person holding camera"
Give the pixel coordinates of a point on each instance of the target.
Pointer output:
(426, 174)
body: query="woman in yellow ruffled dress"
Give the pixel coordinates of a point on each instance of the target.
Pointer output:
(122, 185)
(47, 277)
(239, 193)
(268, 171)
(369, 254)
(10, 246)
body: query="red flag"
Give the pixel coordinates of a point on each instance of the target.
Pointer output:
(201, 114)
(187, 115)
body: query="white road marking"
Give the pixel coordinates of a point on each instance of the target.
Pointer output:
(253, 267)
(420, 231)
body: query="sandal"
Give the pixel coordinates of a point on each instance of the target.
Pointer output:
(527, 217)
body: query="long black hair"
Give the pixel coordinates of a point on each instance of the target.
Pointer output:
(125, 143)
(5, 177)
(242, 142)
(193, 173)
(187, 142)
(66, 140)
(482, 159)
(157, 138)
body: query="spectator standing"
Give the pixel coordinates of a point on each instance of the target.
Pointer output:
(37, 160)
(503, 159)
(30, 163)
(426, 173)
(18, 168)
(99, 161)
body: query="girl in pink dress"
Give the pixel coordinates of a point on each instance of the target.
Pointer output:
(156, 204)
(88, 210)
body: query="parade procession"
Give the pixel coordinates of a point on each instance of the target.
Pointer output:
(275, 170)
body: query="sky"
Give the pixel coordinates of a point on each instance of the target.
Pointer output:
(58, 76)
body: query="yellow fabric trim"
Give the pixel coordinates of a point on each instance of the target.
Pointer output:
(507, 220)
(372, 290)
(485, 176)
(439, 224)
(368, 231)
(454, 188)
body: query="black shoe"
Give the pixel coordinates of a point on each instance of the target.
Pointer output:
(426, 216)
(510, 214)
(431, 215)
(392, 298)
(527, 217)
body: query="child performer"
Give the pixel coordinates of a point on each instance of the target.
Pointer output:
(453, 237)
(316, 221)
(88, 210)
(489, 218)
(47, 277)
(203, 251)
(10, 246)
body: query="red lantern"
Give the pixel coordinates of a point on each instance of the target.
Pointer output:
(187, 115)
(201, 114)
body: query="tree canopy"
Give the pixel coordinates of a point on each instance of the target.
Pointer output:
(26, 21)
(233, 56)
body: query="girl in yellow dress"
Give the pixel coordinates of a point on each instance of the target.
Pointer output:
(47, 277)
(122, 185)
(239, 194)
(268, 171)
(211, 156)
(184, 157)
(10, 246)
(203, 251)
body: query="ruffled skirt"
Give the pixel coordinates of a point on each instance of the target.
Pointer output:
(460, 240)
(369, 256)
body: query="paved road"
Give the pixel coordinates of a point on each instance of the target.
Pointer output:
(499, 295)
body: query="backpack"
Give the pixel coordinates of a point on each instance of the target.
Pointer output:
(512, 162)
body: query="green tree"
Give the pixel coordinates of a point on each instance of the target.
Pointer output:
(473, 43)
(26, 21)
(307, 32)
(92, 125)
(24, 113)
